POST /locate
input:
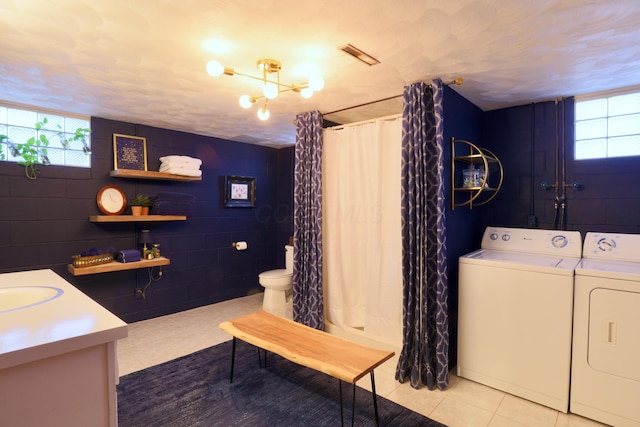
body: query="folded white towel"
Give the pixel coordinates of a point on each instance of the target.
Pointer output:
(179, 165)
(183, 171)
(165, 167)
(178, 160)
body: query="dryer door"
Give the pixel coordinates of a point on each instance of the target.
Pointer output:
(614, 332)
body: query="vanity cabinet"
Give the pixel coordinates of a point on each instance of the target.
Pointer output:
(476, 174)
(58, 361)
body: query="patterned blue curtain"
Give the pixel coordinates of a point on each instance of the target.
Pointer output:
(424, 356)
(308, 305)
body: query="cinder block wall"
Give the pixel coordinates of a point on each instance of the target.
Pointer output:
(46, 221)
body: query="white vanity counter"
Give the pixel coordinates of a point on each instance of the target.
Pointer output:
(57, 353)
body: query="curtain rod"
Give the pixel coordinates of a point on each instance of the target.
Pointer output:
(458, 81)
(379, 119)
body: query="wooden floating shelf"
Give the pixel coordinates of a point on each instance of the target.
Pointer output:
(129, 173)
(136, 218)
(117, 266)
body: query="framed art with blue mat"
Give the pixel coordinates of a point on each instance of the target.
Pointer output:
(129, 152)
(239, 191)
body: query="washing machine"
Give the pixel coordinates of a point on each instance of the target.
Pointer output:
(515, 313)
(605, 376)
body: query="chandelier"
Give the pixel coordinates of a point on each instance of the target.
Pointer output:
(270, 79)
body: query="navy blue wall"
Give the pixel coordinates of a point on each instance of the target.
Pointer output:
(462, 120)
(44, 222)
(524, 138)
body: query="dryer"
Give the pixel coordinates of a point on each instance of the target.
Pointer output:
(605, 378)
(515, 312)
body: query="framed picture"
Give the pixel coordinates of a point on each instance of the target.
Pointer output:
(129, 152)
(239, 192)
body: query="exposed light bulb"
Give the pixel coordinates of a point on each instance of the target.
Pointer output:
(270, 90)
(263, 113)
(215, 68)
(307, 92)
(316, 83)
(245, 101)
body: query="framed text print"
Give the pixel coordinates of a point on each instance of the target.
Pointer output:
(129, 152)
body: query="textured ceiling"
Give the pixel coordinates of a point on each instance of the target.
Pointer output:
(143, 61)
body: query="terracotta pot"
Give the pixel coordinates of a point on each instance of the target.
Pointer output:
(145, 210)
(136, 210)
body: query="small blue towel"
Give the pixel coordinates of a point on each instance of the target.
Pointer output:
(128, 255)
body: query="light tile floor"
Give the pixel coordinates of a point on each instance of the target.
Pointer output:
(463, 403)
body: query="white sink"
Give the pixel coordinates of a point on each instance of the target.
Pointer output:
(19, 297)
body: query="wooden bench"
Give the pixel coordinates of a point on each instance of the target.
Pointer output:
(340, 358)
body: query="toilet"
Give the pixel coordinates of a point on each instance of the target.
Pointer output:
(277, 283)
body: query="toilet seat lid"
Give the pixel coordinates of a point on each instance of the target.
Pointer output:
(276, 273)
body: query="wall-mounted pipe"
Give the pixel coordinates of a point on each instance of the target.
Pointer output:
(560, 185)
(531, 222)
(575, 185)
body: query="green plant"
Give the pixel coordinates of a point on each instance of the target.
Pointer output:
(4, 139)
(141, 200)
(34, 150)
(80, 135)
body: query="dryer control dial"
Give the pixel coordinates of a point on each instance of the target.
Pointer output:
(606, 244)
(494, 236)
(506, 237)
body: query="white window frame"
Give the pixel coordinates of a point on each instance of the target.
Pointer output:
(604, 140)
(63, 149)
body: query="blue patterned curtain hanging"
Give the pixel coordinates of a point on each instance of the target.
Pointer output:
(424, 356)
(308, 305)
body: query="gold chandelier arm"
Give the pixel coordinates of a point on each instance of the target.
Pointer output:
(295, 88)
(268, 68)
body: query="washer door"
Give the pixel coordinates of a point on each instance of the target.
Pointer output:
(614, 332)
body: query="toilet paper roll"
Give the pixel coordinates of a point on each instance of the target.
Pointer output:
(240, 246)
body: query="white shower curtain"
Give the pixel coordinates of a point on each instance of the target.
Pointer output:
(362, 227)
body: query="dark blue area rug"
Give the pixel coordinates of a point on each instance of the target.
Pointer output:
(194, 390)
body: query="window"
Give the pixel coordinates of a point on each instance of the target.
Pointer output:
(59, 138)
(608, 126)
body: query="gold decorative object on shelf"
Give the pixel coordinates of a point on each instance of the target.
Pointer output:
(480, 181)
(88, 261)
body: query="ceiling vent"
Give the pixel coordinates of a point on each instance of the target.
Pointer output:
(358, 54)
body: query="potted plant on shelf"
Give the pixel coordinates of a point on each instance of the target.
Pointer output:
(140, 204)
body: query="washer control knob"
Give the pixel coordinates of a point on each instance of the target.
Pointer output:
(559, 241)
(506, 237)
(493, 236)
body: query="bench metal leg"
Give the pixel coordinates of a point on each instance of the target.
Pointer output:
(260, 359)
(341, 414)
(353, 400)
(233, 358)
(373, 393)
(353, 405)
